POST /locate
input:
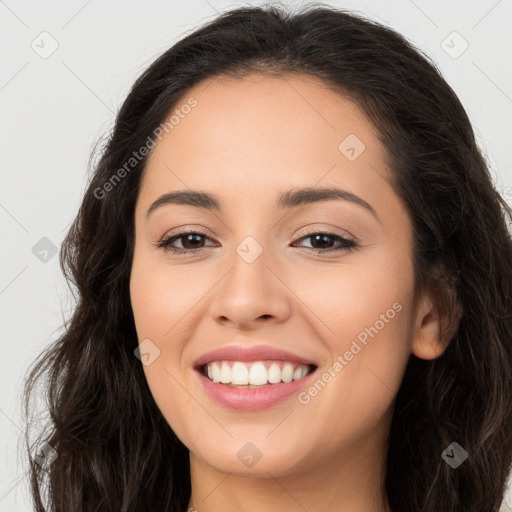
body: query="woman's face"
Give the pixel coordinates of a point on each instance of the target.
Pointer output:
(263, 276)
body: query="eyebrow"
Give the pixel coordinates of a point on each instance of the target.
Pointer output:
(290, 199)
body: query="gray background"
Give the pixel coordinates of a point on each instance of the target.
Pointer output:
(54, 107)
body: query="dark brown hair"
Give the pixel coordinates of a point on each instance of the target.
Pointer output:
(115, 450)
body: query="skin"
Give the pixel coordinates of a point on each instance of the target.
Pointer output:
(246, 141)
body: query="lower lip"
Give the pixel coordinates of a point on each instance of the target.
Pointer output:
(255, 399)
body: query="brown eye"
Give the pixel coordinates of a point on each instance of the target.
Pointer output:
(322, 242)
(190, 241)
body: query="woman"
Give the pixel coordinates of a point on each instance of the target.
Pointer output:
(294, 278)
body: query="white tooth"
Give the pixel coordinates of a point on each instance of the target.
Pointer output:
(297, 374)
(287, 372)
(215, 372)
(258, 374)
(239, 374)
(225, 373)
(274, 374)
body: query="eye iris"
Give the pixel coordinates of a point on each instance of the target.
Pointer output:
(323, 238)
(188, 239)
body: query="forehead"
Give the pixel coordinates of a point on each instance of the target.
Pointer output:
(248, 137)
(270, 116)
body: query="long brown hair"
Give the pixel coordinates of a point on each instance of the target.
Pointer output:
(116, 452)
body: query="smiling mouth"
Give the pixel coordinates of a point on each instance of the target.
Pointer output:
(254, 374)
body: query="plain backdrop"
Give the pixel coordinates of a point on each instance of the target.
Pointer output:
(65, 69)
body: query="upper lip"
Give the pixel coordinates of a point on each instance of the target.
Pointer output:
(254, 353)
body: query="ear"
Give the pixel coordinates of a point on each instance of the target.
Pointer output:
(434, 330)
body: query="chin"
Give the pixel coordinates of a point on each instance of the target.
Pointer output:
(251, 459)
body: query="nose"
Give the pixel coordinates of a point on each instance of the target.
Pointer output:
(251, 294)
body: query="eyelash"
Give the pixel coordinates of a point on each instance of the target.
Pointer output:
(165, 244)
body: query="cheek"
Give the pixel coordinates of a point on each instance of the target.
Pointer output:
(159, 303)
(354, 296)
(161, 298)
(165, 301)
(361, 312)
